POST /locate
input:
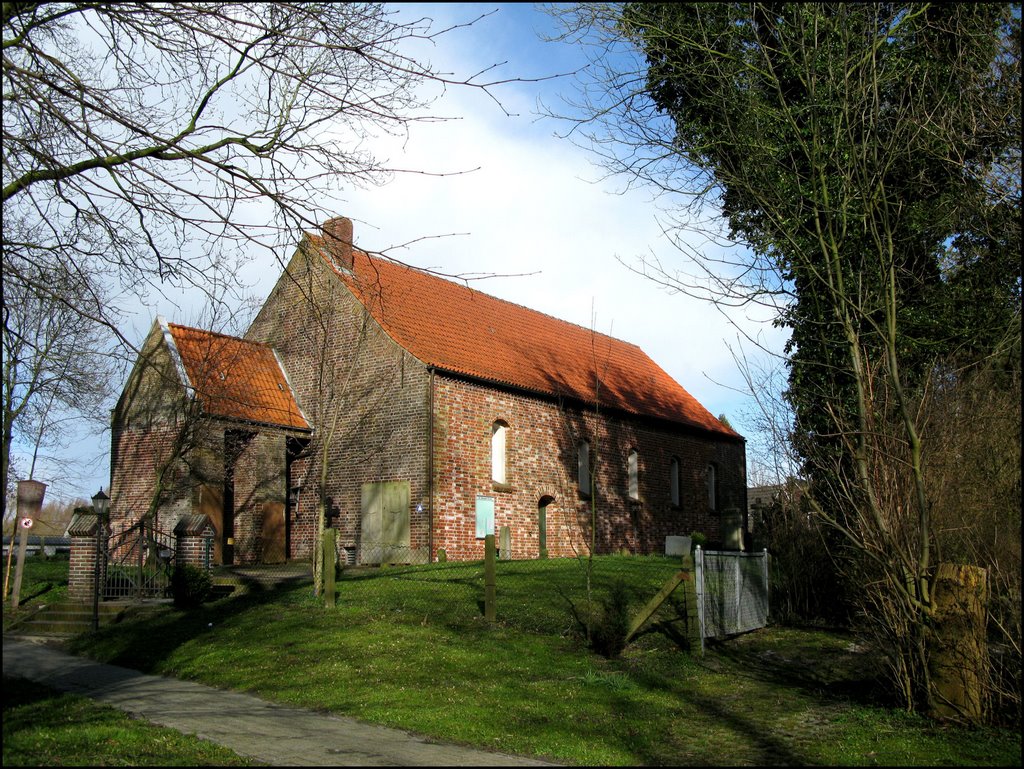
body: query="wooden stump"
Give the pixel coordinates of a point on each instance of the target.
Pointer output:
(958, 657)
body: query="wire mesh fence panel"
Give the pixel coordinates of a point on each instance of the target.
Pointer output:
(732, 591)
(550, 596)
(447, 593)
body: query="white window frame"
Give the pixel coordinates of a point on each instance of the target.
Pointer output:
(499, 452)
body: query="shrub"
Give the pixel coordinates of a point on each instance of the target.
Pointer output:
(190, 585)
(610, 623)
(697, 538)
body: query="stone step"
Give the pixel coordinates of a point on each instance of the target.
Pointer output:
(66, 619)
(241, 579)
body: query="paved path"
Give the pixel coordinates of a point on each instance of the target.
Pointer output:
(277, 734)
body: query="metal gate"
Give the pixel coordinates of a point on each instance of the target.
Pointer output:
(732, 591)
(136, 563)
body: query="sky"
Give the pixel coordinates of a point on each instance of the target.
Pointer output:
(535, 211)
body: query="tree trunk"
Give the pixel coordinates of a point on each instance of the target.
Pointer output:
(959, 650)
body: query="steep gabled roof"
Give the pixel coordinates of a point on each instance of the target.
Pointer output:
(234, 378)
(460, 330)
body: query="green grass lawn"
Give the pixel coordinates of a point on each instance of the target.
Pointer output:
(408, 647)
(43, 727)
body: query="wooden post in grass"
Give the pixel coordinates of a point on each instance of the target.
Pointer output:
(690, 603)
(489, 578)
(330, 556)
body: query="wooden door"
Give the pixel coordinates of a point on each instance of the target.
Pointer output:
(384, 536)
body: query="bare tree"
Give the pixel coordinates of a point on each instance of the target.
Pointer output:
(157, 145)
(56, 370)
(141, 139)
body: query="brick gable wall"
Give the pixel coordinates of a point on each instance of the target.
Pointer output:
(364, 395)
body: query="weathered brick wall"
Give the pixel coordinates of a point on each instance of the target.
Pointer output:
(542, 463)
(138, 455)
(193, 548)
(365, 396)
(82, 568)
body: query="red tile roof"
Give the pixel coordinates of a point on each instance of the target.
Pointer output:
(457, 329)
(237, 379)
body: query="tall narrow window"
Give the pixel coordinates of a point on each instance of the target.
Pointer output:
(633, 468)
(673, 481)
(583, 468)
(499, 439)
(712, 482)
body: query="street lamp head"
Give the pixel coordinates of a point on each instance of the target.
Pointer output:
(101, 502)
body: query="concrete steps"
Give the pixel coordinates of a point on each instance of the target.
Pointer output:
(237, 580)
(67, 619)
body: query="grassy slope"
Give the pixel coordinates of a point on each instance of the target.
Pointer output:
(407, 647)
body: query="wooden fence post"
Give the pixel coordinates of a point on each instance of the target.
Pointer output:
(690, 602)
(330, 556)
(489, 578)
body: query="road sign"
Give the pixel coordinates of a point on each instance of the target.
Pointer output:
(26, 523)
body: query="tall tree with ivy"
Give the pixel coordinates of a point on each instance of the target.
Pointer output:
(869, 157)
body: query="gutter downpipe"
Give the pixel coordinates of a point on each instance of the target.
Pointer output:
(430, 467)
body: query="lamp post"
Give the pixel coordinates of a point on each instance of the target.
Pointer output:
(100, 506)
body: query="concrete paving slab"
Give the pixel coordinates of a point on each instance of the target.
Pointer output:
(277, 734)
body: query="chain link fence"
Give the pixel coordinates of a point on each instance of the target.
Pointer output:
(555, 595)
(732, 591)
(560, 596)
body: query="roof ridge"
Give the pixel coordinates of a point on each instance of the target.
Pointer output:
(456, 282)
(220, 334)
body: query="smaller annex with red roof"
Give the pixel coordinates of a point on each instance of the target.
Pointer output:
(193, 398)
(416, 415)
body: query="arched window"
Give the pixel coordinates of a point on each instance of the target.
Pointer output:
(673, 480)
(633, 468)
(542, 525)
(583, 467)
(499, 439)
(712, 482)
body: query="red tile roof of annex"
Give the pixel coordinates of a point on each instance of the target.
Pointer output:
(457, 329)
(236, 378)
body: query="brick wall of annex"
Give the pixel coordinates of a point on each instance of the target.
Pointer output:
(138, 454)
(542, 463)
(365, 396)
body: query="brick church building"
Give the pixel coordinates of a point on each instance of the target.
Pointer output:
(417, 415)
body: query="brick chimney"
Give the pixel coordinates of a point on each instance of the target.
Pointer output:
(338, 236)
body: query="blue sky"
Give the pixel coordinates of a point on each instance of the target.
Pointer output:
(535, 210)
